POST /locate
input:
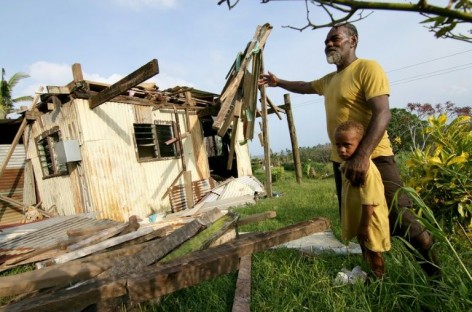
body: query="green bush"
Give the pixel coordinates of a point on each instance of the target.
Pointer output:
(256, 164)
(278, 173)
(317, 170)
(289, 166)
(441, 173)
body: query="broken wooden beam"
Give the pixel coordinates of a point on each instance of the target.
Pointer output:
(256, 217)
(85, 251)
(140, 75)
(230, 91)
(65, 274)
(161, 248)
(205, 238)
(155, 281)
(209, 263)
(242, 296)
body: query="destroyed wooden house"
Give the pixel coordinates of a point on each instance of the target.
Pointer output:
(123, 152)
(132, 149)
(125, 149)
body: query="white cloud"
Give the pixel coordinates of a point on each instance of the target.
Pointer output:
(164, 81)
(142, 4)
(51, 74)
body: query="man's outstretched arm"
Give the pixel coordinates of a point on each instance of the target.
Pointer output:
(271, 80)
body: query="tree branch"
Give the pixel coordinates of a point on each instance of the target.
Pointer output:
(442, 20)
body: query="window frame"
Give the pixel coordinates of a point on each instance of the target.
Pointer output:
(152, 151)
(47, 155)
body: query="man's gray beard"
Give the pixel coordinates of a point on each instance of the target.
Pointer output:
(333, 57)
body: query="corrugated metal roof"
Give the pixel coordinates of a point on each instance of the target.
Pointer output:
(251, 181)
(17, 159)
(236, 189)
(46, 233)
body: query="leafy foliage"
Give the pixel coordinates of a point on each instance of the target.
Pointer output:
(403, 130)
(441, 172)
(278, 173)
(6, 87)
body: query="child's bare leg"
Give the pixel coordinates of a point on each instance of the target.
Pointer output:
(376, 262)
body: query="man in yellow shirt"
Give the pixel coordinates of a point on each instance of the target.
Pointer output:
(359, 90)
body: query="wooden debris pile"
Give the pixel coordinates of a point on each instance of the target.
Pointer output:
(129, 263)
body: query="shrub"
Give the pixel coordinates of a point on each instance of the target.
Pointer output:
(277, 173)
(289, 166)
(441, 172)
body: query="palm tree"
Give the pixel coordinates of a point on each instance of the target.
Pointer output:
(6, 87)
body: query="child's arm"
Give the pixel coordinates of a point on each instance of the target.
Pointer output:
(363, 234)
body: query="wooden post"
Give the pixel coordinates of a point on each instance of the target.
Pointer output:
(77, 72)
(19, 133)
(265, 135)
(293, 138)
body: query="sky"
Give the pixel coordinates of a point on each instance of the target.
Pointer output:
(196, 42)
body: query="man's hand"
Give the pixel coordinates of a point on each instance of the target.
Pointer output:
(268, 79)
(356, 169)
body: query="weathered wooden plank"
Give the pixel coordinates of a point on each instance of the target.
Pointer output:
(188, 189)
(227, 236)
(256, 217)
(94, 248)
(274, 108)
(88, 230)
(77, 72)
(234, 132)
(205, 238)
(293, 138)
(265, 131)
(100, 236)
(140, 75)
(242, 296)
(66, 273)
(71, 299)
(155, 281)
(186, 271)
(58, 89)
(227, 97)
(161, 248)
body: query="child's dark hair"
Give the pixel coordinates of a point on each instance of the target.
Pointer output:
(350, 125)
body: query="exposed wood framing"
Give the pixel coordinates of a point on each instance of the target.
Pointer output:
(140, 75)
(230, 91)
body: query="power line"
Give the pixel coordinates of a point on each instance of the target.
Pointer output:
(429, 61)
(432, 74)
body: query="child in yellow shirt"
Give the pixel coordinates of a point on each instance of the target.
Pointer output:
(364, 210)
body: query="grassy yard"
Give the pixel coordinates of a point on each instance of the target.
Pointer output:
(286, 280)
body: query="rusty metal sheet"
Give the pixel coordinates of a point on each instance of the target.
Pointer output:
(46, 233)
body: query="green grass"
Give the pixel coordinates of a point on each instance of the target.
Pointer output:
(286, 280)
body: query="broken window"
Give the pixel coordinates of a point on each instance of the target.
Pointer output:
(214, 146)
(47, 155)
(156, 141)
